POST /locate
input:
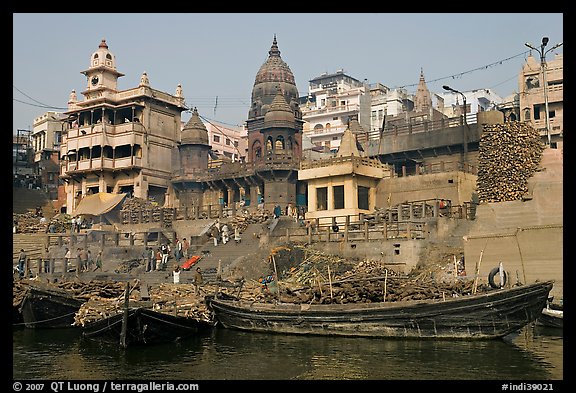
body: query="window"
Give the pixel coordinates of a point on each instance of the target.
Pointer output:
(235, 143)
(338, 197)
(321, 198)
(216, 138)
(322, 102)
(551, 114)
(228, 141)
(536, 112)
(343, 103)
(380, 113)
(335, 118)
(363, 197)
(374, 115)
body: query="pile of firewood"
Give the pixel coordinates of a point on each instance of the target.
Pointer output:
(509, 155)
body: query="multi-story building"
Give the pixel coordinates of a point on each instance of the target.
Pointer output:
(478, 100)
(533, 95)
(119, 141)
(46, 140)
(332, 100)
(227, 142)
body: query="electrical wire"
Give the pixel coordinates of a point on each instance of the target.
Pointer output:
(458, 75)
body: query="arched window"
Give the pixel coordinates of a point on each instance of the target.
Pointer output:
(527, 114)
(269, 146)
(279, 145)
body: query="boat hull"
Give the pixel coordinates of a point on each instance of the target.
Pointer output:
(49, 309)
(144, 327)
(551, 318)
(485, 316)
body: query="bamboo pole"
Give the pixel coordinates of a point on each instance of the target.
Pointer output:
(125, 316)
(385, 283)
(330, 281)
(520, 252)
(478, 270)
(277, 278)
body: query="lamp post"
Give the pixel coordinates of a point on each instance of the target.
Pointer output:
(542, 54)
(465, 125)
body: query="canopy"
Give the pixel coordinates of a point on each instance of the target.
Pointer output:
(97, 204)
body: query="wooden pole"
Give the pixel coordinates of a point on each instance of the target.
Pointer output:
(125, 316)
(330, 282)
(478, 270)
(520, 252)
(385, 282)
(277, 278)
(455, 269)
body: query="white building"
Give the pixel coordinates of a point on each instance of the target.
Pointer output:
(478, 100)
(332, 100)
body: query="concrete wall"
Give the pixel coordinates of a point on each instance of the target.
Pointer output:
(400, 256)
(528, 254)
(455, 186)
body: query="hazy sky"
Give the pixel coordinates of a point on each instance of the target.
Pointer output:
(218, 55)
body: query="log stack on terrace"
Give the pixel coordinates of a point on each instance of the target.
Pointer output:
(509, 155)
(138, 211)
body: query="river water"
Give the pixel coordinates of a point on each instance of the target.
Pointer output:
(533, 354)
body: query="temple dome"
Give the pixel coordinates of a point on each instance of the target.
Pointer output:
(195, 132)
(273, 73)
(279, 113)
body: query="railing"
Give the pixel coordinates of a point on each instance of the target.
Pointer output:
(421, 126)
(403, 221)
(308, 164)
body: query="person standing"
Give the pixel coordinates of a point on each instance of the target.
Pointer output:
(89, 260)
(277, 211)
(67, 256)
(185, 248)
(237, 237)
(215, 233)
(148, 257)
(46, 259)
(178, 254)
(225, 234)
(176, 274)
(98, 261)
(198, 279)
(165, 254)
(22, 259)
(158, 258)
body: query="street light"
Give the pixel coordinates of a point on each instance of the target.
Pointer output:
(464, 136)
(543, 69)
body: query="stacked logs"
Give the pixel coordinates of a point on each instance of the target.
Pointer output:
(509, 155)
(138, 211)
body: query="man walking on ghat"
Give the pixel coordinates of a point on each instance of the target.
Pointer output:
(22, 263)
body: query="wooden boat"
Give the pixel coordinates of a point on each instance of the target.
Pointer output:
(143, 325)
(488, 315)
(552, 316)
(49, 307)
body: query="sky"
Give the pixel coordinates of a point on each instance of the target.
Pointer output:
(215, 56)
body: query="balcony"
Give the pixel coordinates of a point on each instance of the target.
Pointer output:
(340, 109)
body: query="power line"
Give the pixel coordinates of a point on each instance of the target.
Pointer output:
(498, 62)
(42, 105)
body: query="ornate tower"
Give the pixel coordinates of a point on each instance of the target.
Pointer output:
(422, 100)
(193, 148)
(279, 131)
(274, 74)
(102, 75)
